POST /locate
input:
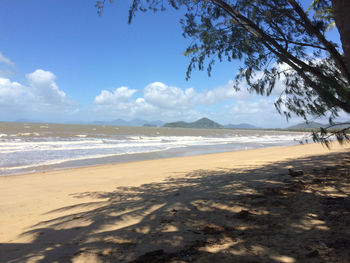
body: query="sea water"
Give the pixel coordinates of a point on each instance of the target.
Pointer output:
(32, 147)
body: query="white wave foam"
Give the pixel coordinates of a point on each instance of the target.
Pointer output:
(23, 134)
(28, 152)
(59, 161)
(139, 141)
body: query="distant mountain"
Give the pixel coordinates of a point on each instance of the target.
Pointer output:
(177, 124)
(317, 125)
(206, 123)
(134, 122)
(308, 125)
(203, 123)
(342, 125)
(241, 126)
(29, 120)
(157, 123)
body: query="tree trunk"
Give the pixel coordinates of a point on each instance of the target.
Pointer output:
(341, 9)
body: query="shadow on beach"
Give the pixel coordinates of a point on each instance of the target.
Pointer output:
(256, 215)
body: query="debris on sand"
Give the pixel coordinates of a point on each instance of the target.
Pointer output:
(295, 173)
(243, 214)
(210, 229)
(312, 254)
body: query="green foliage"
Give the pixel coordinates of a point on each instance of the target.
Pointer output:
(323, 11)
(276, 40)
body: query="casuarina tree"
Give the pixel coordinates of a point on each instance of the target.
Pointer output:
(277, 41)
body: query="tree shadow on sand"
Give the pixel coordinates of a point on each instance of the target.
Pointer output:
(256, 215)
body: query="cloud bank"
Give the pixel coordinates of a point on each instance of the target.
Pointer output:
(161, 101)
(39, 97)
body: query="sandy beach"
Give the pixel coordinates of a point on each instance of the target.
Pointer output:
(239, 206)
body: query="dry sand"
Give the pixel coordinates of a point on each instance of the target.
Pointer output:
(226, 207)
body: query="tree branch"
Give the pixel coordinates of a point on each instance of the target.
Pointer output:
(330, 48)
(285, 56)
(302, 44)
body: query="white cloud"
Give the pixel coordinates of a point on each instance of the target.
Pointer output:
(168, 97)
(161, 101)
(260, 112)
(41, 96)
(168, 103)
(5, 60)
(45, 88)
(118, 95)
(13, 94)
(225, 92)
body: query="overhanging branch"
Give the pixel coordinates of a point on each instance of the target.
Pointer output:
(330, 48)
(298, 65)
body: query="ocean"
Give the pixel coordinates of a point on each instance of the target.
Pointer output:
(33, 147)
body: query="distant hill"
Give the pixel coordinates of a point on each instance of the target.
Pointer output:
(149, 125)
(317, 125)
(203, 123)
(29, 120)
(308, 125)
(134, 122)
(342, 125)
(241, 126)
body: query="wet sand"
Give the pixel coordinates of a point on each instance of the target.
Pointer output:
(239, 206)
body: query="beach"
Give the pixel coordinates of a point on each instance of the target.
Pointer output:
(240, 205)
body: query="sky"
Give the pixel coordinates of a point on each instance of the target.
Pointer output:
(61, 62)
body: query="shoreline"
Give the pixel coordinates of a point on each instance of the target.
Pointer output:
(138, 157)
(40, 211)
(30, 149)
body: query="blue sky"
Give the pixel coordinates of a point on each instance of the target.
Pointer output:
(60, 61)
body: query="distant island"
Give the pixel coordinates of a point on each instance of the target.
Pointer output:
(131, 123)
(149, 125)
(241, 126)
(307, 125)
(311, 125)
(205, 123)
